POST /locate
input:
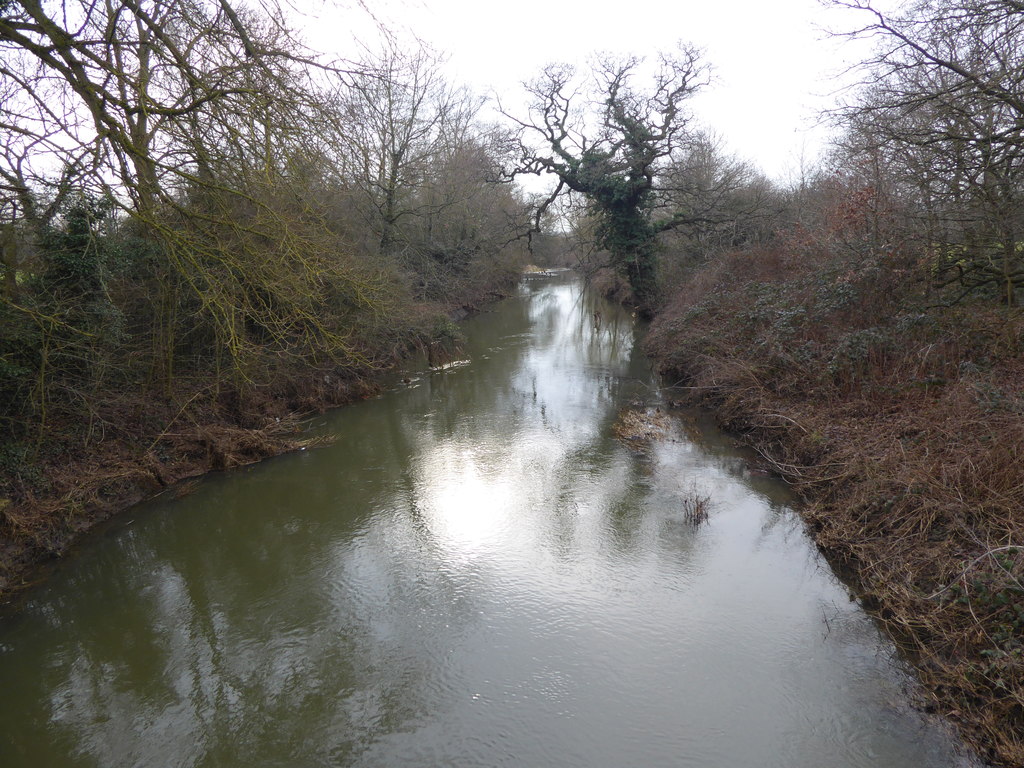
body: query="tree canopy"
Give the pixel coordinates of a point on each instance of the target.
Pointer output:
(612, 140)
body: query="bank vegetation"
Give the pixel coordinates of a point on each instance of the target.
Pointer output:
(861, 327)
(873, 351)
(208, 232)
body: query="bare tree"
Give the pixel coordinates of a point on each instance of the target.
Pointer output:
(395, 116)
(611, 141)
(942, 111)
(722, 202)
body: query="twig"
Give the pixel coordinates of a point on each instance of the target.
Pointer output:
(973, 563)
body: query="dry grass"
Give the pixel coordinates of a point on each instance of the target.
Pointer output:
(908, 447)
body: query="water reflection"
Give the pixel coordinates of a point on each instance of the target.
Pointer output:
(475, 574)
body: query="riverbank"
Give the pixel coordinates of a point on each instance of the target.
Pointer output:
(139, 445)
(902, 425)
(482, 559)
(154, 446)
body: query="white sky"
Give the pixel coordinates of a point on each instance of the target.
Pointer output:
(774, 66)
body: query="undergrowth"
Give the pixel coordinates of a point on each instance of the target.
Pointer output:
(132, 443)
(901, 421)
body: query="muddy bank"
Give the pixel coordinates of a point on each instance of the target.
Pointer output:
(137, 446)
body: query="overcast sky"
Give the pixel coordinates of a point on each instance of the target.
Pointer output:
(774, 65)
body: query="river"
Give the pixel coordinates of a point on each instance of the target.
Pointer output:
(476, 573)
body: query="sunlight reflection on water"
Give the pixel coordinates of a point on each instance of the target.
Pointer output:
(477, 573)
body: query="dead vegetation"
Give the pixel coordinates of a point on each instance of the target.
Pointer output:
(903, 427)
(637, 427)
(74, 486)
(696, 507)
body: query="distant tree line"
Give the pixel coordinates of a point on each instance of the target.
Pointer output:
(646, 188)
(929, 158)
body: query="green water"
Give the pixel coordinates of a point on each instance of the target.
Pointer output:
(476, 573)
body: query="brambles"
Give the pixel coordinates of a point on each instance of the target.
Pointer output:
(992, 592)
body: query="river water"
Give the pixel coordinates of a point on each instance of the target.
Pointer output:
(476, 573)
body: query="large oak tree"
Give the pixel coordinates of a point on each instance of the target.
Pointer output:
(611, 139)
